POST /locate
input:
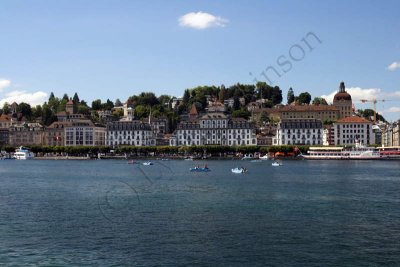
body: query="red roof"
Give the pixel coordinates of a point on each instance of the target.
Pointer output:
(4, 118)
(353, 119)
(193, 111)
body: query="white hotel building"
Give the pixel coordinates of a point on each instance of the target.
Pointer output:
(299, 132)
(351, 129)
(214, 129)
(133, 133)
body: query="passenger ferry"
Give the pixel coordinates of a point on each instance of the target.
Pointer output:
(389, 152)
(358, 152)
(23, 153)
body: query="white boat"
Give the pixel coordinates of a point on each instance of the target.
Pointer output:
(148, 163)
(247, 157)
(358, 152)
(239, 170)
(23, 153)
(276, 164)
(265, 157)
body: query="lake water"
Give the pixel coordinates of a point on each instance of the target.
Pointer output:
(103, 213)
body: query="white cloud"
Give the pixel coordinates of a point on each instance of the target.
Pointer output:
(4, 84)
(357, 94)
(201, 20)
(35, 98)
(394, 66)
(392, 110)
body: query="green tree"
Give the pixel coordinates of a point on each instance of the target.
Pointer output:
(304, 98)
(186, 96)
(6, 108)
(96, 104)
(65, 97)
(236, 103)
(290, 96)
(118, 103)
(319, 101)
(83, 109)
(48, 116)
(76, 98)
(276, 96)
(241, 113)
(25, 109)
(141, 112)
(37, 111)
(108, 105)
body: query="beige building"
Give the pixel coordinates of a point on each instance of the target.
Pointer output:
(55, 133)
(5, 123)
(26, 134)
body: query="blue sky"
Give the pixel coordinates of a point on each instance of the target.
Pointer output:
(114, 49)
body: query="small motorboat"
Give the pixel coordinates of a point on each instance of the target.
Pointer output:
(247, 157)
(148, 163)
(265, 157)
(200, 169)
(239, 170)
(276, 164)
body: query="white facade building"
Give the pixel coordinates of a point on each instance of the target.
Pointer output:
(214, 129)
(299, 132)
(84, 133)
(133, 133)
(351, 129)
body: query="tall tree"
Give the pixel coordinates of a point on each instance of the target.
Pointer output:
(290, 96)
(186, 96)
(236, 103)
(76, 98)
(276, 96)
(51, 96)
(65, 97)
(118, 102)
(6, 108)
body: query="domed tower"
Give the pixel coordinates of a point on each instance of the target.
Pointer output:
(342, 100)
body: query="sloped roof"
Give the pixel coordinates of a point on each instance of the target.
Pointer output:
(353, 119)
(193, 111)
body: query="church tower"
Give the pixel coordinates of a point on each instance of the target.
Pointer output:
(342, 100)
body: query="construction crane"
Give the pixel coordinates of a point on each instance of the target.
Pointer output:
(374, 101)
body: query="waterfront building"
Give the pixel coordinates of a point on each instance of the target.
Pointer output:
(84, 133)
(5, 123)
(391, 134)
(55, 133)
(348, 130)
(299, 132)
(214, 129)
(134, 133)
(26, 134)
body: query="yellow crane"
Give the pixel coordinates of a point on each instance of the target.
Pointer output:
(374, 101)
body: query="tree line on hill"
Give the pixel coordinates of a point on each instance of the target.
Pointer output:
(147, 103)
